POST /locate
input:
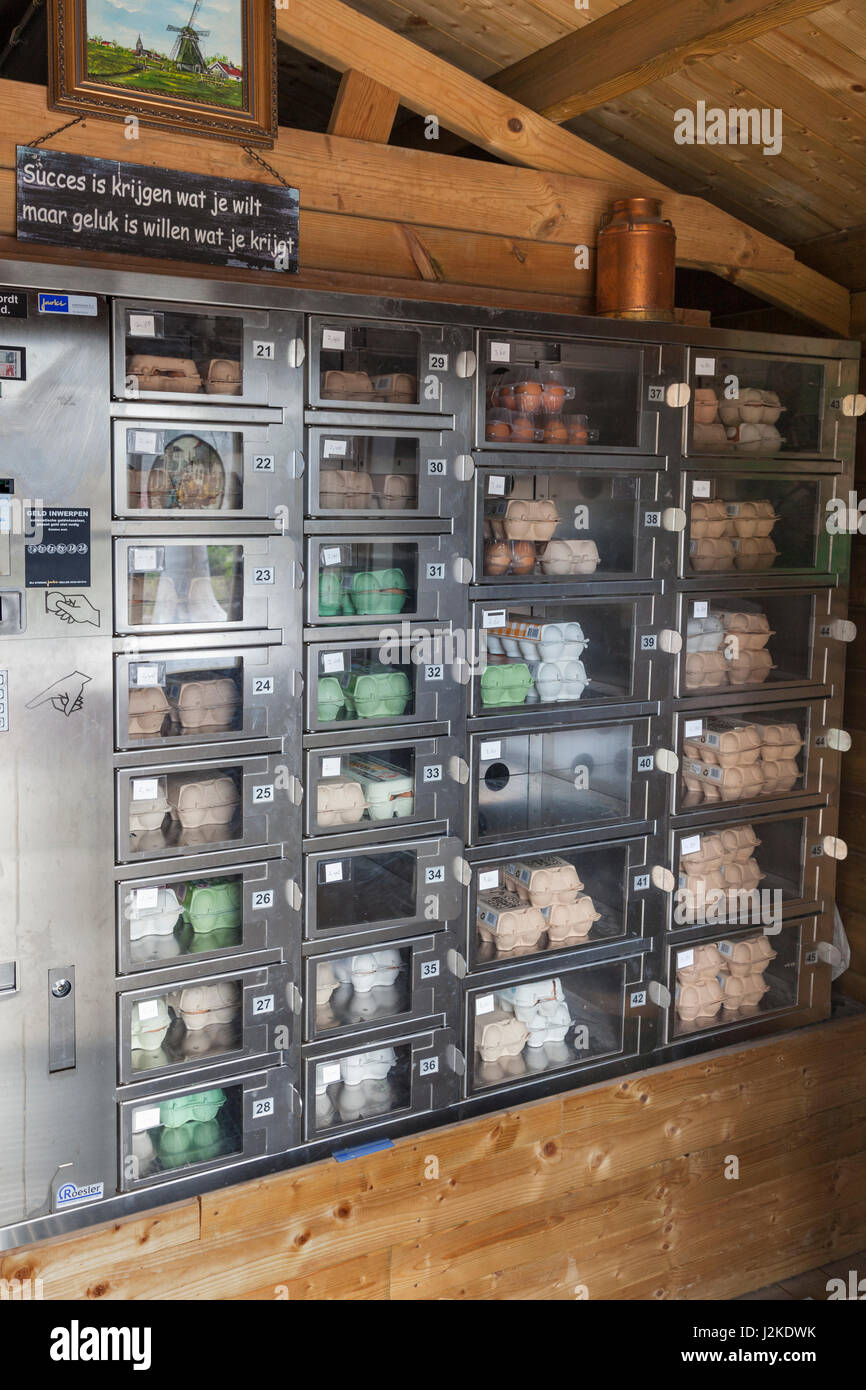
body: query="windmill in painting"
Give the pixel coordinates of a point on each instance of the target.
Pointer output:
(186, 53)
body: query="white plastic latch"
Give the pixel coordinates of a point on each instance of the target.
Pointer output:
(294, 998)
(854, 406)
(296, 791)
(462, 872)
(455, 1060)
(662, 878)
(670, 641)
(464, 468)
(467, 365)
(297, 464)
(297, 353)
(461, 671)
(296, 684)
(835, 848)
(659, 994)
(458, 770)
(843, 630)
(294, 895)
(828, 953)
(678, 395)
(674, 519)
(456, 964)
(462, 570)
(839, 740)
(667, 761)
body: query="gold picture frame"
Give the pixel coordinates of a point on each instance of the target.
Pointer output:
(172, 75)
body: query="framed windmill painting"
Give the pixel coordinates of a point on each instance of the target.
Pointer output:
(202, 66)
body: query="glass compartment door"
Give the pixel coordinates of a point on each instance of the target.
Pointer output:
(391, 474)
(753, 406)
(203, 584)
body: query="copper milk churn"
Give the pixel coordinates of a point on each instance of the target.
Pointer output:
(636, 262)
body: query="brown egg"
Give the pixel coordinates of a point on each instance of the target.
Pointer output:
(555, 432)
(577, 433)
(497, 557)
(528, 395)
(523, 557)
(553, 398)
(498, 429)
(522, 430)
(507, 397)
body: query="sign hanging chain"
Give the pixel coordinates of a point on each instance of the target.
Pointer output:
(59, 131)
(265, 165)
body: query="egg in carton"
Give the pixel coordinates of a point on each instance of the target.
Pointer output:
(506, 683)
(160, 919)
(699, 1002)
(748, 957)
(709, 520)
(709, 437)
(570, 557)
(155, 374)
(759, 553)
(779, 741)
(347, 386)
(705, 670)
(530, 521)
(779, 775)
(704, 634)
(541, 1006)
(743, 877)
(730, 744)
(149, 711)
(706, 408)
(369, 970)
(699, 886)
(755, 439)
(708, 554)
(738, 843)
(366, 1100)
(499, 1034)
(205, 704)
(148, 813)
(709, 856)
(509, 921)
(543, 879)
(752, 630)
(393, 491)
(509, 557)
(190, 1143)
(568, 922)
(749, 519)
(708, 962)
(150, 1023)
(198, 802)
(223, 377)
(339, 801)
(750, 667)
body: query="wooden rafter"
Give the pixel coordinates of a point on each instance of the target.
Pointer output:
(636, 44)
(332, 32)
(364, 109)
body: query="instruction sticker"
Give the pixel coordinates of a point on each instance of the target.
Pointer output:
(58, 555)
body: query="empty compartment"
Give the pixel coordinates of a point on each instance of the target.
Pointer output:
(750, 524)
(560, 652)
(562, 526)
(740, 873)
(531, 904)
(746, 755)
(535, 782)
(734, 978)
(738, 641)
(546, 1024)
(559, 395)
(753, 406)
(383, 889)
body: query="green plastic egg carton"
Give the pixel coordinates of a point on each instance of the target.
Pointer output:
(210, 907)
(202, 1105)
(332, 699)
(506, 685)
(378, 694)
(379, 591)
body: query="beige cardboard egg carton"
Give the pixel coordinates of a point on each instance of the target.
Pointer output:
(543, 880)
(747, 423)
(345, 488)
(509, 922)
(728, 647)
(735, 761)
(530, 521)
(724, 975)
(201, 801)
(570, 557)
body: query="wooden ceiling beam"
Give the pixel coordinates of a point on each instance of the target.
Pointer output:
(338, 35)
(364, 109)
(635, 45)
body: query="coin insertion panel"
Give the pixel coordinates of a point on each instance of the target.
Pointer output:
(417, 710)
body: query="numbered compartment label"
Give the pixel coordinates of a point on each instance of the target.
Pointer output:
(437, 468)
(640, 883)
(264, 574)
(264, 463)
(428, 1066)
(263, 795)
(432, 773)
(637, 999)
(263, 1004)
(263, 1108)
(263, 685)
(646, 762)
(649, 642)
(434, 673)
(264, 352)
(436, 571)
(429, 969)
(262, 898)
(435, 874)
(656, 393)
(438, 362)
(652, 518)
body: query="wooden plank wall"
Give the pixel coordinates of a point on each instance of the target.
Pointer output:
(623, 1191)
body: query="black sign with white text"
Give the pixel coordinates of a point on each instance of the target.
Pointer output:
(100, 204)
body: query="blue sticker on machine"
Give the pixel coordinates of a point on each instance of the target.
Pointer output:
(83, 305)
(70, 1193)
